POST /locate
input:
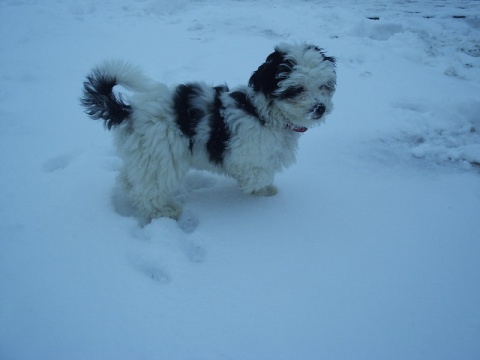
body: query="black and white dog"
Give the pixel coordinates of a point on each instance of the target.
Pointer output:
(249, 133)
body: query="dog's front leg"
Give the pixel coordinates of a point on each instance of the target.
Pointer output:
(268, 190)
(257, 181)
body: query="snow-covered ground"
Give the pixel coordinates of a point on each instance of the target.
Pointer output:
(370, 250)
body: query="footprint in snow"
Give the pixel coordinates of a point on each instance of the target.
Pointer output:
(59, 162)
(195, 252)
(188, 222)
(154, 267)
(154, 272)
(161, 245)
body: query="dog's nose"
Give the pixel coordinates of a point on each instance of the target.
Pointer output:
(319, 110)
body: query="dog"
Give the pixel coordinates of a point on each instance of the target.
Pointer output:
(249, 133)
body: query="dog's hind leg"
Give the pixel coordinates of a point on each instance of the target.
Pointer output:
(151, 199)
(154, 209)
(150, 186)
(155, 162)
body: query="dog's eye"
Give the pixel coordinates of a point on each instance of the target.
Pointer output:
(292, 92)
(329, 86)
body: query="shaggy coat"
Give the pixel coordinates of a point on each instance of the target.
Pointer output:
(249, 133)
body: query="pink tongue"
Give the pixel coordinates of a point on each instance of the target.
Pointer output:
(300, 129)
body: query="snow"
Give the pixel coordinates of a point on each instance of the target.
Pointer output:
(370, 250)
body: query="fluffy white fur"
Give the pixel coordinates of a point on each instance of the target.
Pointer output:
(157, 152)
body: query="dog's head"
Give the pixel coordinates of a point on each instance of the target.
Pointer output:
(298, 82)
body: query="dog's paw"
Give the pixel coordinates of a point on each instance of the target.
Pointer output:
(170, 210)
(268, 190)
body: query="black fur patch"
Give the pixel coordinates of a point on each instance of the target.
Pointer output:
(101, 103)
(187, 115)
(320, 50)
(243, 102)
(219, 134)
(275, 69)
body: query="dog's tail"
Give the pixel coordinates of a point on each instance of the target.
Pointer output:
(99, 99)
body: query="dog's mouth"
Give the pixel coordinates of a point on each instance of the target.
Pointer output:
(300, 129)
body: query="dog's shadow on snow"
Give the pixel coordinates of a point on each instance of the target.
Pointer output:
(198, 184)
(200, 180)
(201, 192)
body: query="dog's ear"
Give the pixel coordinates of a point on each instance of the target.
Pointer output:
(322, 53)
(270, 73)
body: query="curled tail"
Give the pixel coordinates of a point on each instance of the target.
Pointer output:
(98, 98)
